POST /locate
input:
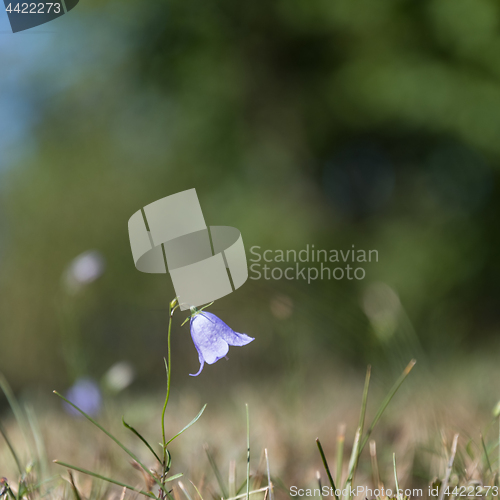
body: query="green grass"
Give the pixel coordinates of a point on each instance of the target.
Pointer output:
(258, 453)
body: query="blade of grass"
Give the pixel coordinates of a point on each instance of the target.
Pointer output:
(216, 472)
(340, 452)
(396, 477)
(73, 486)
(449, 468)
(6, 489)
(269, 482)
(243, 485)
(122, 446)
(130, 428)
(327, 468)
(445, 444)
(174, 477)
(486, 454)
(364, 399)
(386, 402)
(195, 419)
(258, 476)
(11, 448)
(197, 490)
(375, 471)
(232, 478)
(185, 491)
(253, 492)
(22, 489)
(16, 410)
(39, 444)
(353, 462)
(104, 478)
(320, 486)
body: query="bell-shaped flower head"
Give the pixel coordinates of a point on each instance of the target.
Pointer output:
(212, 338)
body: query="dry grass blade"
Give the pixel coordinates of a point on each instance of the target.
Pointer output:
(184, 490)
(232, 478)
(449, 468)
(396, 482)
(320, 486)
(253, 492)
(73, 486)
(269, 482)
(374, 461)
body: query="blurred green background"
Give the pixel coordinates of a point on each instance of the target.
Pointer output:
(333, 123)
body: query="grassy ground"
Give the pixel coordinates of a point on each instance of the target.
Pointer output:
(418, 425)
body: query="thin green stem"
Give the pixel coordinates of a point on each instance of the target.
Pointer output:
(248, 454)
(171, 308)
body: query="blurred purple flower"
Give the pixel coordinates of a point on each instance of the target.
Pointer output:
(212, 338)
(85, 394)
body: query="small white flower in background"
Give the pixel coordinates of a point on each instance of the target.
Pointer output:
(119, 376)
(83, 269)
(496, 410)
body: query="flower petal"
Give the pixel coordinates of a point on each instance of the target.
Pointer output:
(226, 332)
(212, 338)
(209, 344)
(238, 339)
(202, 363)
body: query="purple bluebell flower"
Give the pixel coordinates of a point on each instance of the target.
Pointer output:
(212, 338)
(85, 394)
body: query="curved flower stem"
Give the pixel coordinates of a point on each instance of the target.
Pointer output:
(172, 307)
